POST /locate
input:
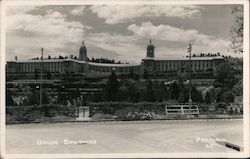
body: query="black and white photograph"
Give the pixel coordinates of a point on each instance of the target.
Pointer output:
(124, 79)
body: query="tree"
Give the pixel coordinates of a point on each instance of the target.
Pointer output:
(238, 88)
(196, 95)
(183, 94)
(228, 97)
(218, 94)
(237, 29)
(123, 93)
(174, 90)
(34, 98)
(45, 99)
(210, 95)
(48, 75)
(223, 72)
(158, 91)
(149, 92)
(133, 93)
(36, 74)
(131, 73)
(207, 98)
(145, 74)
(62, 97)
(112, 87)
(9, 99)
(76, 93)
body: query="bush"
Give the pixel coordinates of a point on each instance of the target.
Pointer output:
(211, 116)
(137, 116)
(120, 108)
(175, 116)
(37, 113)
(33, 115)
(160, 116)
(60, 118)
(102, 116)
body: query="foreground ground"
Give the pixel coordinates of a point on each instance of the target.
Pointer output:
(124, 137)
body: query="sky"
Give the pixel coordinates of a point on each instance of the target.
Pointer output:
(117, 32)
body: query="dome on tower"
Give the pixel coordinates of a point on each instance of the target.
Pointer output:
(83, 52)
(150, 44)
(150, 49)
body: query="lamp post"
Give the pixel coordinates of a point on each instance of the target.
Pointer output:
(41, 84)
(189, 77)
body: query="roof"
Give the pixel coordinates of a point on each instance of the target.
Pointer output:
(151, 45)
(113, 65)
(148, 58)
(117, 65)
(47, 60)
(186, 58)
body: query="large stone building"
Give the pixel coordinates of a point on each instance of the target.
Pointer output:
(149, 64)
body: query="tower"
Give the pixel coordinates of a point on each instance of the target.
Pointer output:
(150, 49)
(149, 62)
(83, 53)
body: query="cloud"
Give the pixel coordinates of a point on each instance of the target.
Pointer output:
(19, 9)
(27, 33)
(78, 10)
(133, 47)
(124, 47)
(174, 34)
(120, 14)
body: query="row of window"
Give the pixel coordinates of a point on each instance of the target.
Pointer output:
(118, 70)
(203, 66)
(160, 65)
(185, 62)
(31, 67)
(195, 65)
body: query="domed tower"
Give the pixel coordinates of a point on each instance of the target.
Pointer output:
(83, 53)
(149, 61)
(150, 49)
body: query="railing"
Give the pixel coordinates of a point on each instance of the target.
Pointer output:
(182, 109)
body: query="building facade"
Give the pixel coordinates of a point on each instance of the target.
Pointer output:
(150, 64)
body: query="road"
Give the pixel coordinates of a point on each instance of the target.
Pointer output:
(123, 137)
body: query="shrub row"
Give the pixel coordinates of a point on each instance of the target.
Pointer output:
(121, 108)
(113, 110)
(32, 113)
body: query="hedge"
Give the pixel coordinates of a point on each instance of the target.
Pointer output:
(31, 113)
(118, 108)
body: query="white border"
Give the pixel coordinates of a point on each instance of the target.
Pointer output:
(244, 154)
(2, 79)
(246, 69)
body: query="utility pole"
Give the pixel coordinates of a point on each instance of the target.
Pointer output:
(41, 84)
(189, 77)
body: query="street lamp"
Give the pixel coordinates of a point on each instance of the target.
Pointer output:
(41, 84)
(189, 77)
